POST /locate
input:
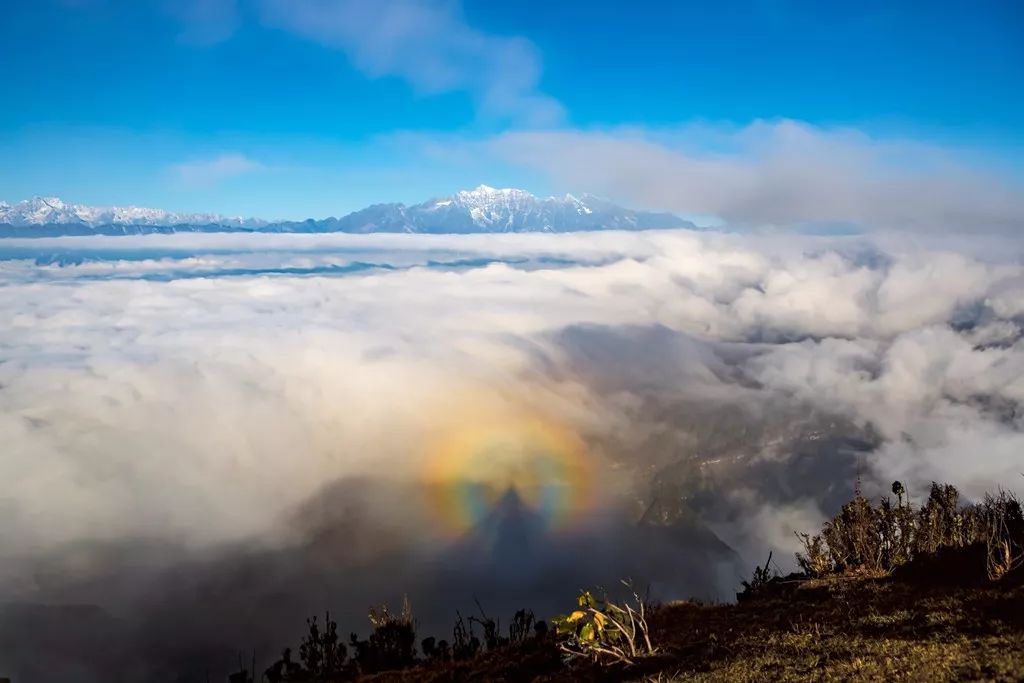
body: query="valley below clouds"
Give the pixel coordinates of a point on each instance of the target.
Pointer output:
(209, 437)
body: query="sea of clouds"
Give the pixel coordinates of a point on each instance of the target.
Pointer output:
(208, 437)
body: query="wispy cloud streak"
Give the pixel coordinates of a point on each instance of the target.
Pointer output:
(429, 44)
(205, 173)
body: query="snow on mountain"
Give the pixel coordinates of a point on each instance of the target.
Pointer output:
(486, 209)
(481, 210)
(54, 211)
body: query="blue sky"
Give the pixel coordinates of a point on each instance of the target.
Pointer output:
(294, 108)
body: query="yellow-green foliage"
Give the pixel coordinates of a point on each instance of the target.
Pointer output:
(602, 630)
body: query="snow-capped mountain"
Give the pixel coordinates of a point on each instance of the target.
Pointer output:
(482, 210)
(487, 209)
(54, 211)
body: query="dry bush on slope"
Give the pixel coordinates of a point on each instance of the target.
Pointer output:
(864, 537)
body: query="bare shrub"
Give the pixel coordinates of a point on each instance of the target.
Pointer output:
(815, 560)
(761, 577)
(1003, 522)
(465, 645)
(522, 627)
(392, 645)
(321, 652)
(863, 537)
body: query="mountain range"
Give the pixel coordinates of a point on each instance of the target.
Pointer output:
(482, 210)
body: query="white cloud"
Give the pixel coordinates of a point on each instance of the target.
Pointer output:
(139, 400)
(206, 392)
(429, 44)
(210, 172)
(784, 173)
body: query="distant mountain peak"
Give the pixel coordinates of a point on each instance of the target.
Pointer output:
(488, 190)
(55, 211)
(480, 210)
(488, 209)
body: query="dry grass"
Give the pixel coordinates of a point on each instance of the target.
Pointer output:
(844, 628)
(855, 627)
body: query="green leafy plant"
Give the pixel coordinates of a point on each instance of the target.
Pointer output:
(605, 631)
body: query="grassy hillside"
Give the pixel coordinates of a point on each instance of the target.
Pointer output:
(889, 592)
(839, 628)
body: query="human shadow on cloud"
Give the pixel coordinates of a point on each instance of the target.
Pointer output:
(357, 543)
